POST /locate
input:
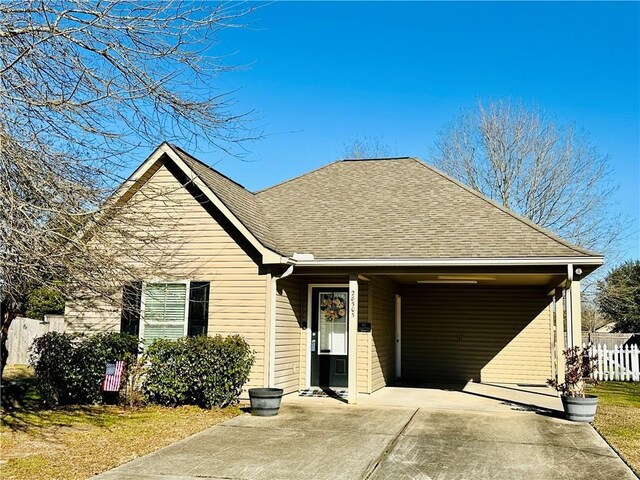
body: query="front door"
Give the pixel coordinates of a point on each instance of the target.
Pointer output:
(329, 342)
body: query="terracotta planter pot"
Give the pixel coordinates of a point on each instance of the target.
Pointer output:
(579, 409)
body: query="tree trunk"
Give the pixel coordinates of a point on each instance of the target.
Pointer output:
(8, 314)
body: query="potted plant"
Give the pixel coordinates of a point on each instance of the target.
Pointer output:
(578, 406)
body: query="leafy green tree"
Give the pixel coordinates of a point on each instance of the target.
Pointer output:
(618, 297)
(44, 300)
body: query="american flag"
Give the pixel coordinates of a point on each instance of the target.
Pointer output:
(113, 376)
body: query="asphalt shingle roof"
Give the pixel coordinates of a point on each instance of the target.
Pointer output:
(386, 208)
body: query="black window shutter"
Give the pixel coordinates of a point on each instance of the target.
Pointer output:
(198, 308)
(130, 316)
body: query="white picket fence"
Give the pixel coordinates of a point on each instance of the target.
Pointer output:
(617, 363)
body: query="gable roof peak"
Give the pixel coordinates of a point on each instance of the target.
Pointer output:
(240, 202)
(191, 157)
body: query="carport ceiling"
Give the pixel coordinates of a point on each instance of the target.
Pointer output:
(480, 279)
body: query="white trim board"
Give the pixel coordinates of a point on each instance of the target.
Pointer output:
(447, 262)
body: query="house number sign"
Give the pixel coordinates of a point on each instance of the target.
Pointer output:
(353, 299)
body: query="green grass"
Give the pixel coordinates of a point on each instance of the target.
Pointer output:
(18, 372)
(618, 418)
(77, 442)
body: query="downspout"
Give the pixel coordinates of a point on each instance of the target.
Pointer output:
(272, 326)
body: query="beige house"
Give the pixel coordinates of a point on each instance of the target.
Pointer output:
(355, 276)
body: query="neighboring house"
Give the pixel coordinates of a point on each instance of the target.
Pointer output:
(355, 275)
(608, 328)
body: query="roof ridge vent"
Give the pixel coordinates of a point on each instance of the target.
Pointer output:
(374, 159)
(303, 256)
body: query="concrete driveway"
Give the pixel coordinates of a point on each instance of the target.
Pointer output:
(330, 440)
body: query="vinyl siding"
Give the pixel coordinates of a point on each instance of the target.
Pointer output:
(89, 315)
(288, 330)
(383, 300)
(193, 245)
(487, 334)
(92, 318)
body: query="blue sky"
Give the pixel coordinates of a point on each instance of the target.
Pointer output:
(320, 74)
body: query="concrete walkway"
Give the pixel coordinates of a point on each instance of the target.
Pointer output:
(469, 396)
(331, 440)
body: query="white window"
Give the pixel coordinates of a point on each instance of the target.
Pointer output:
(332, 323)
(166, 310)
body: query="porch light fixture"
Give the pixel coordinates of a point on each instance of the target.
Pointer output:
(447, 281)
(466, 277)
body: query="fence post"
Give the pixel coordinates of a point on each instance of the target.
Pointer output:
(600, 374)
(620, 363)
(611, 360)
(627, 363)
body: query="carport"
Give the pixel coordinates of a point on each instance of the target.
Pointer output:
(413, 325)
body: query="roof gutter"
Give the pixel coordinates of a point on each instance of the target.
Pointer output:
(442, 262)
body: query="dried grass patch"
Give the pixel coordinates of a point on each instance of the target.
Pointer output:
(78, 442)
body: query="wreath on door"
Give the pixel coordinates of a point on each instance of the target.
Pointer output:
(333, 307)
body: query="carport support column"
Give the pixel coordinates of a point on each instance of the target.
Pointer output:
(352, 382)
(576, 313)
(560, 346)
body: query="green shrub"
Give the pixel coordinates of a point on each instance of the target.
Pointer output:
(204, 371)
(70, 368)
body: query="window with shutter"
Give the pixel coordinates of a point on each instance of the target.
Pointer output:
(198, 308)
(165, 308)
(130, 315)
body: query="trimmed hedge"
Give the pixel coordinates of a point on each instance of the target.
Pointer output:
(201, 370)
(70, 368)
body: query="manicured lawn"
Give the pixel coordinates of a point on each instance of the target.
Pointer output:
(78, 442)
(618, 418)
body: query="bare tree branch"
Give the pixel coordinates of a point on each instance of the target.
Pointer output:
(82, 84)
(367, 147)
(548, 173)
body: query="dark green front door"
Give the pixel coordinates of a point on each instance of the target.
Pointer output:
(329, 337)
